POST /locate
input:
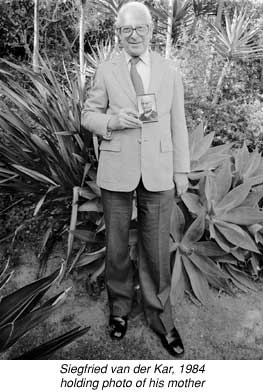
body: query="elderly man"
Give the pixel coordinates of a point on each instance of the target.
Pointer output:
(148, 113)
(146, 158)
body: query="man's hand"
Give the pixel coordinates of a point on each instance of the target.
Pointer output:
(126, 118)
(181, 182)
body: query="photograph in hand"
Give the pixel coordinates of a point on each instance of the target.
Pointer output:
(147, 108)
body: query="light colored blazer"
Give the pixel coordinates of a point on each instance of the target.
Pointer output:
(157, 150)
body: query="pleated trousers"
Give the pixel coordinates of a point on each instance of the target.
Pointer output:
(154, 214)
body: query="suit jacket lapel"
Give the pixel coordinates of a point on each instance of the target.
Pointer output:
(122, 75)
(157, 72)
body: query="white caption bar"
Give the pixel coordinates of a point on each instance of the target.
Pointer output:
(123, 376)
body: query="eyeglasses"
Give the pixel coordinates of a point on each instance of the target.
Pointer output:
(127, 31)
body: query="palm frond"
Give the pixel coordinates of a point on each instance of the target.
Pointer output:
(238, 39)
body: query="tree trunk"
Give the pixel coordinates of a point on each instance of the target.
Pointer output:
(193, 27)
(216, 97)
(220, 81)
(219, 14)
(212, 55)
(81, 43)
(168, 46)
(36, 37)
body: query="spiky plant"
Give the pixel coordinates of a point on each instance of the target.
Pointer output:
(20, 311)
(228, 210)
(194, 269)
(45, 148)
(109, 7)
(102, 51)
(238, 39)
(247, 166)
(203, 157)
(204, 7)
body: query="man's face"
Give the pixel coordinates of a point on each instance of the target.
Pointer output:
(146, 104)
(135, 44)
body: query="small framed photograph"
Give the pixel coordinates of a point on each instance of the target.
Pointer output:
(147, 108)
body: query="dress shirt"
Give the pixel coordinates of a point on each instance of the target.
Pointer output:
(143, 67)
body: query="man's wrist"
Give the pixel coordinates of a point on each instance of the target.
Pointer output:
(109, 130)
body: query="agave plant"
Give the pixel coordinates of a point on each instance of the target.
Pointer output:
(20, 311)
(228, 210)
(194, 269)
(203, 157)
(247, 166)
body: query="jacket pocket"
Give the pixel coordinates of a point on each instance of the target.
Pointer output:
(110, 145)
(166, 145)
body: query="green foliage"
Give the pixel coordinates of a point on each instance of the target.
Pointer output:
(205, 7)
(55, 17)
(203, 157)
(236, 121)
(237, 115)
(226, 203)
(53, 158)
(185, 16)
(101, 30)
(109, 7)
(238, 38)
(45, 349)
(16, 27)
(21, 311)
(194, 268)
(227, 208)
(248, 167)
(100, 52)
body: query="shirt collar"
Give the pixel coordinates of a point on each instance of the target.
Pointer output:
(145, 57)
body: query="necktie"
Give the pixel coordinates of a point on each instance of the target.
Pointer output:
(135, 77)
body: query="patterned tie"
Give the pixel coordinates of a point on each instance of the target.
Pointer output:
(135, 77)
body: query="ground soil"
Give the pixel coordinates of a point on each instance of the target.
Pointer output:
(227, 328)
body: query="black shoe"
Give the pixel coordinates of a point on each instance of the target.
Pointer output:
(172, 343)
(118, 327)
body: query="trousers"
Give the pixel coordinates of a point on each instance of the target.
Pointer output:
(154, 214)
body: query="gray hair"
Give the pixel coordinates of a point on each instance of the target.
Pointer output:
(129, 7)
